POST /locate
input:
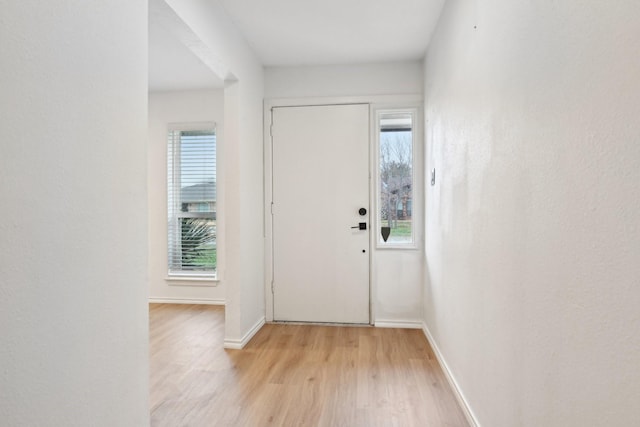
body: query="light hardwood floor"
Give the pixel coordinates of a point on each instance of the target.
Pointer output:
(292, 375)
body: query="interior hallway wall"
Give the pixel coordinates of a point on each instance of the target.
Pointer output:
(533, 226)
(73, 245)
(241, 166)
(391, 78)
(205, 105)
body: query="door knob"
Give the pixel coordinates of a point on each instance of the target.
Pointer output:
(362, 211)
(361, 226)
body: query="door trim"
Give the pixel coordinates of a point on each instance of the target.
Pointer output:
(269, 104)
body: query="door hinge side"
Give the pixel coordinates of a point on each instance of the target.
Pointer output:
(271, 208)
(272, 287)
(271, 130)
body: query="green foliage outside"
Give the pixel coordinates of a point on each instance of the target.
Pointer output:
(206, 259)
(198, 244)
(401, 229)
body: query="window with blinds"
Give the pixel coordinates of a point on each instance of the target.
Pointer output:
(191, 178)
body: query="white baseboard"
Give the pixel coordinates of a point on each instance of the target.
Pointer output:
(239, 344)
(208, 301)
(398, 324)
(466, 409)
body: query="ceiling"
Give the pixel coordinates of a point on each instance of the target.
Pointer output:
(299, 32)
(325, 32)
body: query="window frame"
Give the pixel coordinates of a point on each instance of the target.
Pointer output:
(416, 173)
(173, 179)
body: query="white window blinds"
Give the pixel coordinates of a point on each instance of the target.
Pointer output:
(191, 178)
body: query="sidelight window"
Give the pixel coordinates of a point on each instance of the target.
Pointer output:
(396, 169)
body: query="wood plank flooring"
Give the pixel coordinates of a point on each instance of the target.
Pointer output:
(292, 375)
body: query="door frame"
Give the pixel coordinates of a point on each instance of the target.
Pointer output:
(374, 102)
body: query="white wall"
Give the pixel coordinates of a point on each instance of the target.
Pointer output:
(166, 108)
(392, 78)
(533, 231)
(73, 310)
(397, 273)
(241, 165)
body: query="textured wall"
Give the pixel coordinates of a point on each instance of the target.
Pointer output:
(533, 228)
(73, 312)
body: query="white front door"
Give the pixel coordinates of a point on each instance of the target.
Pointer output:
(320, 184)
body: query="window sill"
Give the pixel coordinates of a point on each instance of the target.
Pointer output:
(409, 247)
(192, 280)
